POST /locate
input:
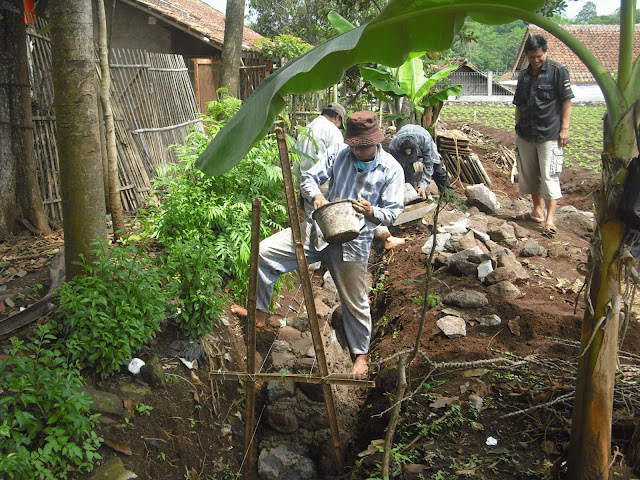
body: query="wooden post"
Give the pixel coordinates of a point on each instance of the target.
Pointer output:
(250, 402)
(308, 294)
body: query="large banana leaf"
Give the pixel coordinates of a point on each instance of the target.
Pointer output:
(403, 26)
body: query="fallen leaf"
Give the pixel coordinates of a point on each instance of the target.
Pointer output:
(443, 402)
(549, 447)
(467, 472)
(476, 401)
(464, 388)
(477, 426)
(196, 397)
(129, 404)
(476, 372)
(514, 327)
(21, 273)
(9, 302)
(118, 446)
(372, 448)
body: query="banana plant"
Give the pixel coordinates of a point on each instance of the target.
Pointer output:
(409, 81)
(406, 26)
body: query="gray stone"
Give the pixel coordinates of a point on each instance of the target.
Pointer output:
(104, 402)
(459, 226)
(299, 323)
(504, 289)
(484, 269)
(153, 373)
(481, 197)
(466, 299)
(322, 309)
(328, 284)
(278, 390)
(113, 469)
(490, 320)
(463, 255)
(441, 240)
(282, 361)
(135, 391)
(520, 231)
(501, 231)
(281, 420)
(281, 346)
(466, 242)
(452, 327)
(301, 347)
(288, 334)
(531, 248)
(286, 462)
(481, 235)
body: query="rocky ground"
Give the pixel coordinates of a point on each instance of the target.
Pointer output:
(512, 357)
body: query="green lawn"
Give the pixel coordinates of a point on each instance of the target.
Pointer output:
(585, 130)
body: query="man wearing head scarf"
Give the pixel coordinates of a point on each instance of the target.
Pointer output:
(413, 146)
(361, 171)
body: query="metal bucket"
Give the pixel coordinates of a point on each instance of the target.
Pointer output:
(338, 221)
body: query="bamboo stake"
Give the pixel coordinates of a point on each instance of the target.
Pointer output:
(308, 295)
(250, 402)
(332, 378)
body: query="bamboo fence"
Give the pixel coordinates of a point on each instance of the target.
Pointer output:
(154, 107)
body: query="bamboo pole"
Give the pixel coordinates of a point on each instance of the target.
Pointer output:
(308, 294)
(250, 402)
(332, 378)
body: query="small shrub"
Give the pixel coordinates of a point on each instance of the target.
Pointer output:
(196, 286)
(111, 310)
(46, 424)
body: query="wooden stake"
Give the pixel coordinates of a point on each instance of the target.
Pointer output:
(250, 402)
(303, 268)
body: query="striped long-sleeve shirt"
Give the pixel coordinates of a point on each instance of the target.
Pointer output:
(381, 183)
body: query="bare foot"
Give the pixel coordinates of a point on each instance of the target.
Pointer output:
(392, 242)
(360, 368)
(238, 310)
(261, 317)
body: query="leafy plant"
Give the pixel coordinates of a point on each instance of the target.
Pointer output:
(195, 284)
(215, 213)
(110, 311)
(282, 46)
(46, 424)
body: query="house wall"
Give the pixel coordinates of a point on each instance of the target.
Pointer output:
(136, 29)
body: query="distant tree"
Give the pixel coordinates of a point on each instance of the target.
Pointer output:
(232, 47)
(492, 47)
(588, 11)
(308, 20)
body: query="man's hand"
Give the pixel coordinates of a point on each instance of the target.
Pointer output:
(363, 207)
(319, 200)
(564, 137)
(422, 193)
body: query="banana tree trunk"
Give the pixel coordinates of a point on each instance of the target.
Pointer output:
(590, 448)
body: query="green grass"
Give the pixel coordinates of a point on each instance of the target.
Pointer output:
(585, 130)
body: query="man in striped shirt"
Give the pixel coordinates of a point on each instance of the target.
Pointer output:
(361, 171)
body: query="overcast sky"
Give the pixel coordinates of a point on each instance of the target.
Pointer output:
(604, 7)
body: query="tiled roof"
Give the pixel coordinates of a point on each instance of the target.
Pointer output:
(197, 17)
(601, 40)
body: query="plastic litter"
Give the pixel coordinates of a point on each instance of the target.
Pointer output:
(135, 365)
(492, 442)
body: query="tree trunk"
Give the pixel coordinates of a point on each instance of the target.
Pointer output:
(75, 92)
(115, 203)
(19, 193)
(232, 48)
(590, 447)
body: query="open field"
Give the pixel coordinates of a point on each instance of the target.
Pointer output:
(585, 129)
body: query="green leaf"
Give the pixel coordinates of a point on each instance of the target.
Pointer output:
(404, 26)
(341, 24)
